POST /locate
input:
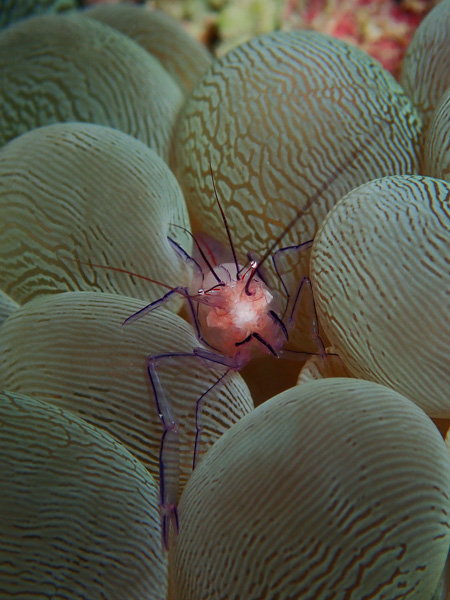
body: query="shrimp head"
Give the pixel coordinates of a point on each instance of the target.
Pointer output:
(237, 318)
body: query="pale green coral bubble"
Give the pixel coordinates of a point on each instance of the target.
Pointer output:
(380, 269)
(79, 514)
(81, 192)
(82, 70)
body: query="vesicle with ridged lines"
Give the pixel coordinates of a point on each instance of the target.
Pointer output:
(183, 57)
(426, 66)
(317, 367)
(12, 11)
(70, 349)
(78, 191)
(336, 489)
(7, 306)
(68, 68)
(79, 514)
(277, 117)
(437, 141)
(380, 267)
(282, 118)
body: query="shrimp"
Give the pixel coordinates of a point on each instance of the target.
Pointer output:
(236, 317)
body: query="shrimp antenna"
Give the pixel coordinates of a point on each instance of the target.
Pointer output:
(200, 249)
(119, 270)
(323, 188)
(225, 222)
(290, 225)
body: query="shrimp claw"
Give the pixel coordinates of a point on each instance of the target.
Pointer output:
(154, 305)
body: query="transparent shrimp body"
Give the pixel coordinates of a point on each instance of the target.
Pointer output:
(235, 316)
(238, 318)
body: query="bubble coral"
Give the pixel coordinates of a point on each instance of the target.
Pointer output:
(79, 514)
(81, 70)
(288, 121)
(426, 66)
(181, 55)
(69, 350)
(7, 306)
(437, 141)
(348, 497)
(79, 191)
(379, 267)
(278, 118)
(317, 367)
(12, 11)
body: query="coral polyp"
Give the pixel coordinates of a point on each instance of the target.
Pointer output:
(338, 488)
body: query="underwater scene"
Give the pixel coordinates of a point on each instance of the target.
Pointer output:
(224, 300)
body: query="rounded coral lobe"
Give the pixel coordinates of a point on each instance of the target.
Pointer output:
(82, 70)
(338, 484)
(71, 193)
(281, 118)
(380, 269)
(288, 123)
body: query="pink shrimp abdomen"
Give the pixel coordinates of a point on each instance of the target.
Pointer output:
(229, 313)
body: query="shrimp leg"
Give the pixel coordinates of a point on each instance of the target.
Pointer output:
(198, 418)
(292, 265)
(156, 304)
(169, 454)
(305, 289)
